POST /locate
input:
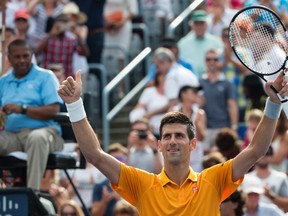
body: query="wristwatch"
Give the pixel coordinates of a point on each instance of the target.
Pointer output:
(23, 109)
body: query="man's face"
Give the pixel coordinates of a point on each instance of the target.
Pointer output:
(189, 96)
(212, 61)
(175, 144)
(20, 59)
(252, 200)
(138, 131)
(199, 28)
(163, 66)
(263, 162)
(22, 24)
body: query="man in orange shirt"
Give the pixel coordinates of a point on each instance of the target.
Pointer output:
(177, 190)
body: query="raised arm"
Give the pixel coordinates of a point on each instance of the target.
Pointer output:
(263, 135)
(70, 91)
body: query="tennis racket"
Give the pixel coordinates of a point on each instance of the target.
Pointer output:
(259, 40)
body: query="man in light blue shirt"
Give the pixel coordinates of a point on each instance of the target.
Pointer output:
(194, 45)
(30, 101)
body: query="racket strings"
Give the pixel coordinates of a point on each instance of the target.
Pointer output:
(259, 40)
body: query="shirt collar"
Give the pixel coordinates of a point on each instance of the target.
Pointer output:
(165, 180)
(221, 76)
(11, 75)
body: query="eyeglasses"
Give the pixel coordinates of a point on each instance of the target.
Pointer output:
(212, 59)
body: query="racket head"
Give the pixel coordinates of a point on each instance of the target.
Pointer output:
(259, 40)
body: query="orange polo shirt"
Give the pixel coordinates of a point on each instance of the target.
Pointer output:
(200, 194)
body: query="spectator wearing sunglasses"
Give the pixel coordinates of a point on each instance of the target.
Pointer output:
(219, 101)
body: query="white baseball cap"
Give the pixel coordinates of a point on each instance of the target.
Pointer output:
(252, 184)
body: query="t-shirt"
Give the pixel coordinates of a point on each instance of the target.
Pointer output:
(200, 194)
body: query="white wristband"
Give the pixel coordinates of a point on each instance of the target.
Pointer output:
(76, 110)
(272, 110)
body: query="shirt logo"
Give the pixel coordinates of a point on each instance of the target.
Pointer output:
(194, 189)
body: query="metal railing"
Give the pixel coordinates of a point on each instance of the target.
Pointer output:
(102, 70)
(126, 60)
(92, 99)
(143, 28)
(145, 42)
(180, 18)
(109, 115)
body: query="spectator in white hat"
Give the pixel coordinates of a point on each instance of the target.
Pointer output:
(252, 187)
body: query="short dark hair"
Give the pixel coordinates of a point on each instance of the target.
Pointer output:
(225, 139)
(237, 197)
(169, 42)
(17, 43)
(178, 118)
(212, 159)
(140, 121)
(186, 88)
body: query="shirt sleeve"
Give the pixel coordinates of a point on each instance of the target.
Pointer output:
(97, 193)
(283, 191)
(220, 176)
(133, 183)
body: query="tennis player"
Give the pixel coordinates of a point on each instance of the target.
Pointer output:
(177, 190)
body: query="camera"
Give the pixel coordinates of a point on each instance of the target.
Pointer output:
(65, 27)
(142, 134)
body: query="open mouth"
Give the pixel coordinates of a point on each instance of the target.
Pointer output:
(173, 150)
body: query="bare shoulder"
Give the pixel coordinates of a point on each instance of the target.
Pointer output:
(201, 112)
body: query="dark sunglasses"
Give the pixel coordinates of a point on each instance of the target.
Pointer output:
(212, 59)
(21, 19)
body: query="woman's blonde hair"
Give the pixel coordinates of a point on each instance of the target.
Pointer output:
(123, 207)
(254, 114)
(73, 204)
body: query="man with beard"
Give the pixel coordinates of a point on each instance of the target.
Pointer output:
(274, 182)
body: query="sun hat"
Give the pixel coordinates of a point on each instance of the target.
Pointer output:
(72, 8)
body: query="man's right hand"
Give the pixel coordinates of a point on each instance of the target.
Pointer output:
(280, 84)
(70, 90)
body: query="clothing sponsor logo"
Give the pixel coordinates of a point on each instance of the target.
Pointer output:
(195, 189)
